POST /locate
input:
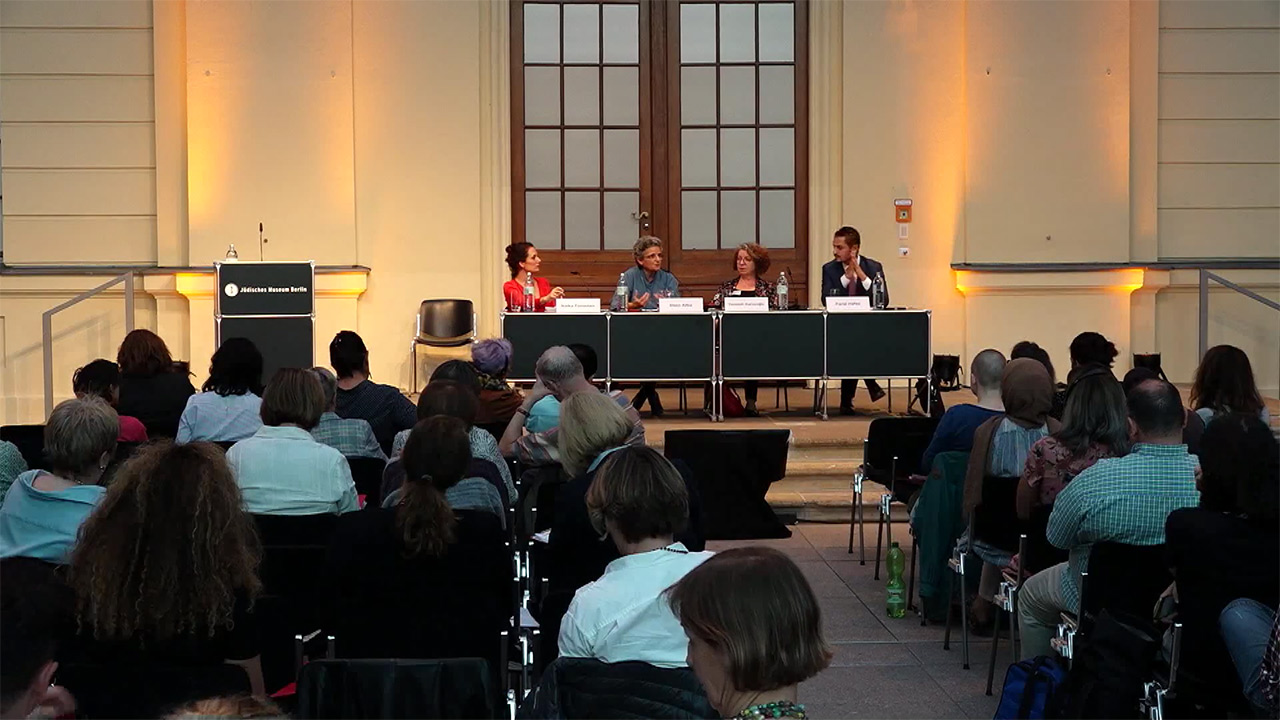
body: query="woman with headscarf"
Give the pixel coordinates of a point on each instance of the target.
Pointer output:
(1000, 449)
(498, 401)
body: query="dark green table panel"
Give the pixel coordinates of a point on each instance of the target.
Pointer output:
(653, 346)
(878, 344)
(531, 334)
(771, 345)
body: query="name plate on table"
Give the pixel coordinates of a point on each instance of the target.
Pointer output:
(844, 304)
(682, 305)
(746, 304)
(577, 306)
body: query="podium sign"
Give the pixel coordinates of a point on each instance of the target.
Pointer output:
(272, 304)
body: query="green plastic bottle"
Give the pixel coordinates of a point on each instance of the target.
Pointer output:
(896, 590)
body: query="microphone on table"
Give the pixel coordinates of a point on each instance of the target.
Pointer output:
(261, 242)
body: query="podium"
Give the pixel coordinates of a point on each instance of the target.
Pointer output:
(273, 304)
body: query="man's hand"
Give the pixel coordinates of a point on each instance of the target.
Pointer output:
(639, 302)
(856, 266)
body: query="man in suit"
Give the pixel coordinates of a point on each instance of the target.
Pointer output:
(850, 273)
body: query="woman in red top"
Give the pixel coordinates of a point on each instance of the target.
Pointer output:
(522, 258)
(102, 378)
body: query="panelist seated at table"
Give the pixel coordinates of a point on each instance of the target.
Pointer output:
(647, 281)
(751, 261)
(850, 274)
(523, 260)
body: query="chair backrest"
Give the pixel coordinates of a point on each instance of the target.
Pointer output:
(588, 688)
(995, 520)
(1125, 578)
(446, 323)
(293, 551)
(1041, 553)
(538, 488)
(30, 442)
(367, 474)
(146, 691)
(395, 689)
(905, 438)
(734, 469)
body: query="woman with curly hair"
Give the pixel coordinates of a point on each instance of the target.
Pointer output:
(166, 569)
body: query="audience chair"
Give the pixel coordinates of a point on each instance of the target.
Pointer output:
(891, 453)
(121, 690)
(959, 557)
(395, 688)
(367, 474)
(1163, 688)
(588, 688)
(1150, 361)
(937, 521)
(1121, 578)
(124, 451)
(30, 442)
(442, 323)
(1006, 602)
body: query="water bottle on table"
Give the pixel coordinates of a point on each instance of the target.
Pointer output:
(528, 294)
(784, 294)
(896, 590)
(879, 298)
(619, 303)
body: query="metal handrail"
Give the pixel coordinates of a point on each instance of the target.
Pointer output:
(1205, 277)
(47, 329)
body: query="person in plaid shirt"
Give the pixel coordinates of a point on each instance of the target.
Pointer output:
(352, 437)
(1123, 500)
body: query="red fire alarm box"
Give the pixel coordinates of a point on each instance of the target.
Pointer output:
(902, 210)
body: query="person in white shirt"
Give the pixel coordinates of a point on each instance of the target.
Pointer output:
(228, 405)
(281, 469)
(640, 501)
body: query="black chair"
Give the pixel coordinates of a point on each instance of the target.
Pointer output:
(119, 690)
(588, 688)
(124, 451)
(1122, 579)
(442, 323)
(891, 454)
(367, 474)
(734, 469)
(30, 442)
(395, 689)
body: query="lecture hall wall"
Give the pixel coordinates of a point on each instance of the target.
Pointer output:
(374, 133)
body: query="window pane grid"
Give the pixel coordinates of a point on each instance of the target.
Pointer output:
(773, 182)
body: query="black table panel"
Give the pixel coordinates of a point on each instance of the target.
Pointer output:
(283, 341)
(771, 345)
(878, 344)
(654, 346)
(530, 334)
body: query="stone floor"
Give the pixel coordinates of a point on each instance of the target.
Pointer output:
(883, 667)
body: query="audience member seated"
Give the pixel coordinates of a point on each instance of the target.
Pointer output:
(43, 511)
(1123, 500)
(229, 404)
(560, 374)
(12, 464)
(450, 399)
(281, 469)
(1094, 426)
(1227, 547)
(545, 414)
(101, 378)
(1090, 348)
(353, 437)
(955, 430)
(383, 406)
(1028, 349)
(498, 400)
(1194, 428)
(754, 630)
(233, 706)
(421, 579)
(1001, 446)
(751, 261)
(167, 570)
(1251, 632)
(35, 606)
(640, 501)
(483, 445)
(1224, 384)
(153, 388)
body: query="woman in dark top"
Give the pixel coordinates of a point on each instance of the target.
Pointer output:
(383, 406)
(167, 565)
(153, 388)
(1227, 548)
(751, 261)
(419, 579)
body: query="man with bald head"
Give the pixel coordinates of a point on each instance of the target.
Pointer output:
(560, 374)
(955, 430)
(1123, 500)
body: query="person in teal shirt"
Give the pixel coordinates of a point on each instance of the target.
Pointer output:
(43, 511)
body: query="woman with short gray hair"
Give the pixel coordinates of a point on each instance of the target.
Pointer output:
(43, 510)
(646, 283)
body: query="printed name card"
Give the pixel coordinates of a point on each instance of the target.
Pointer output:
(681, 305)
(577, 306)
(844, 304)
(746, 304)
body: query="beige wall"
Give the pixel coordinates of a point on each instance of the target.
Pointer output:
(375, 133)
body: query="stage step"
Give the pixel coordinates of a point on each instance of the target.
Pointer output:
(826, 498)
